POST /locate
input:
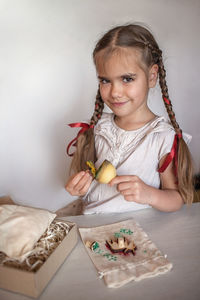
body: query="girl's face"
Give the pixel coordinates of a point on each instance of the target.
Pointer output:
(124, 84)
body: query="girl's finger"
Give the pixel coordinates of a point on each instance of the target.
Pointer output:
(123, 178)
(75, 179)
(130, 198)
(127, 192)
(125, 185)
(83, 181)
(85, 188)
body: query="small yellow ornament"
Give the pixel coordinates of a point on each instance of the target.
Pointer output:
(91, 167)
(105, 173)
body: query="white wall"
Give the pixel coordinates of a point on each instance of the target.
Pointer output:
(47, 80)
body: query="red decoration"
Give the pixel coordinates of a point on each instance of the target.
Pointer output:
(174, 151)
(167, 100)
(84, 127)
(172, 155)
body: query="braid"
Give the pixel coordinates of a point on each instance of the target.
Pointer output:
(185, 165)
(156, 54)
(165, 94)
(99, 106)
(85, 149)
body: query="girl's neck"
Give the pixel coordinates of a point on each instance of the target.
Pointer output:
(134, 123)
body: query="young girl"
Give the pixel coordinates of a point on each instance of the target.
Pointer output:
(152, 159)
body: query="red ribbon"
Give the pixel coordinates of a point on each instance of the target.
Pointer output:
(174, 151)
(166, 100)
(172, 155)
(84, 127)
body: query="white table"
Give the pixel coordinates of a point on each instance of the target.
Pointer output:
(176, 234)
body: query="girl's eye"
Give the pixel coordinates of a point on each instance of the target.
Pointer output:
(127, 79)
(104, 81)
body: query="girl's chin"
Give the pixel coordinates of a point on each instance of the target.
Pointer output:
(119, 107)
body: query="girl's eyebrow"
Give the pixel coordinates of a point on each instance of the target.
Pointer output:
(101, 77)
(128, 75)
(121, 76)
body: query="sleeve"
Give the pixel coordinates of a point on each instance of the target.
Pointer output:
(165, 142)
(187, 138)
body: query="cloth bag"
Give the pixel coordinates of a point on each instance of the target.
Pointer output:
(21, 227)
(119, 269)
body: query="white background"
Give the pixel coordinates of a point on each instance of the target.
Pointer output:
(47, 80)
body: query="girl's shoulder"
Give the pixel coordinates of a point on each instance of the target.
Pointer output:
(105, 118)
(105, 122)
(161, 124)
(164, 130)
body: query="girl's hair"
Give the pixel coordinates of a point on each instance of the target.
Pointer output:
(137, 37)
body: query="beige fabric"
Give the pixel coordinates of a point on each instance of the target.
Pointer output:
(118, 269)
(21, 227)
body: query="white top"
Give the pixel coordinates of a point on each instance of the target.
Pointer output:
(135, 152)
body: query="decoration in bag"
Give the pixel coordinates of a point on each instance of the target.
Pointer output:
(121, 245)
(108, 246)
(95, 247)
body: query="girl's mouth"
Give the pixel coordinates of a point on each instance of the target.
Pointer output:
(119, 104)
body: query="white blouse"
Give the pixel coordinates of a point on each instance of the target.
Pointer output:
(135, 152)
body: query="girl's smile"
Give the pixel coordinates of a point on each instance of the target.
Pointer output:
(124, 87)
(119, 104)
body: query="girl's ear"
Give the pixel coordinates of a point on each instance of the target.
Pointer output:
(153, 75)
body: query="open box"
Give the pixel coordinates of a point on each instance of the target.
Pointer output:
(33, 283)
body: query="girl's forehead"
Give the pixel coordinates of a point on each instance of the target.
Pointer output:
(125, 58)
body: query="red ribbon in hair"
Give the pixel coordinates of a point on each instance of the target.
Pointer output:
(170, 156)
(167, 100)
(174, 151)
(84, 127)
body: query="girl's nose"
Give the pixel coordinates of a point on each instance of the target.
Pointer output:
(116, 90)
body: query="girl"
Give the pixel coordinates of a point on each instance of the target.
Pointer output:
(151, 157)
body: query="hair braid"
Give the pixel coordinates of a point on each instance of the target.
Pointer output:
(85, 148)
(98, 110)
(156, 54)
(185, 165)
(165, 94)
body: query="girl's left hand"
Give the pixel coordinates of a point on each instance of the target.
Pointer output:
(132, 188)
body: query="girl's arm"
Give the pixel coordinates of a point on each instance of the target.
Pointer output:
(170, 199)
(165, 199)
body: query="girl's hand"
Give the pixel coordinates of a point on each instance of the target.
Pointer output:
(132, 188)
(79, 183)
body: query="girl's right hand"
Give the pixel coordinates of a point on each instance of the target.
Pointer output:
(79, 183)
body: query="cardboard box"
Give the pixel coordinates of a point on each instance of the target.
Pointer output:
(33, 283)
(6, 200)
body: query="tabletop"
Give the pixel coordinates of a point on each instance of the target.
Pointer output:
(176, 234)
